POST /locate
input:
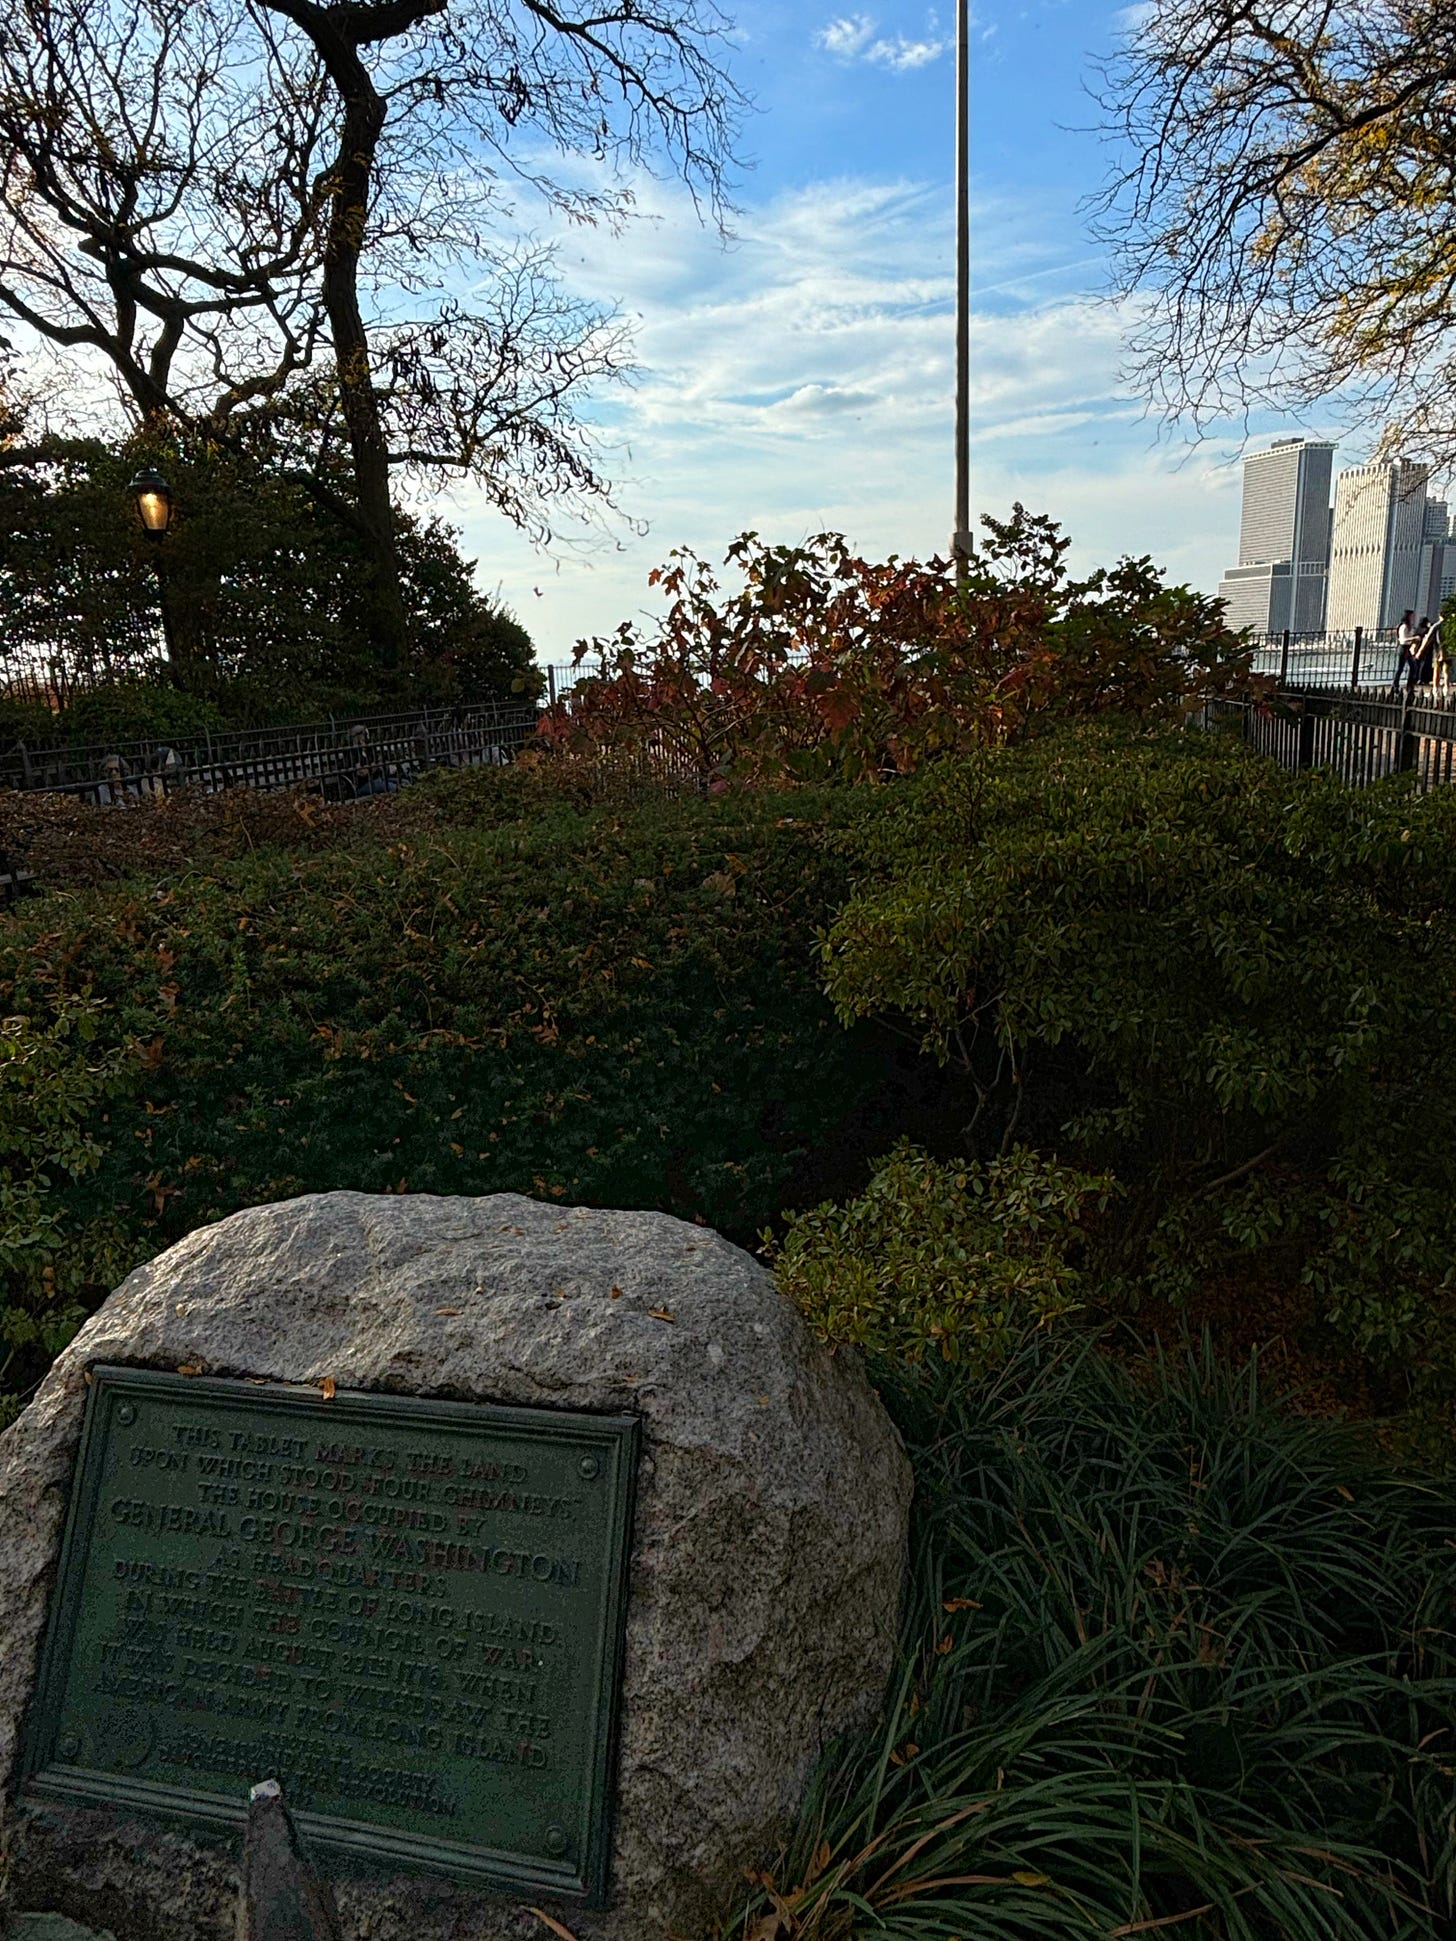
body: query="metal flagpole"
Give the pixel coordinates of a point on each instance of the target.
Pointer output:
(961, 538)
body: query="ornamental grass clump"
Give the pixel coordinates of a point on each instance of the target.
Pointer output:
(1176, 1659)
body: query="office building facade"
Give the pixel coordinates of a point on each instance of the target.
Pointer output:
(1284, 539)
(1438, 559)
(1377, 544)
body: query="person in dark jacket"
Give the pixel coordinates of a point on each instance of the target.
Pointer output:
(1423, 655)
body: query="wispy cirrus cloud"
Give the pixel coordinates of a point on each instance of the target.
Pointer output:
(856, 37)
(802, 380)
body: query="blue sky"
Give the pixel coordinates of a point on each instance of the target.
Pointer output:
(801, 378)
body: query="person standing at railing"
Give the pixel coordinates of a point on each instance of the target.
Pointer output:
(1423, 655)
(1406, 643)
(1442, 657)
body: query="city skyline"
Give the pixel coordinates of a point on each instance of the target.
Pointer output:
(1381, 548)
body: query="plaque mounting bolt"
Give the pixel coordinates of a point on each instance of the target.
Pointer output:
(69, 1746)
(126, 1415)
(590, 1467)
(556, 1841)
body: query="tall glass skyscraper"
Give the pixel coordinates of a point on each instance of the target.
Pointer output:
(1284, 539)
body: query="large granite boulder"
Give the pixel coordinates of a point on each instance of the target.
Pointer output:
(767, 1552)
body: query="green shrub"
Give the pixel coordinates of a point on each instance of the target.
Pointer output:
(1175, 1658)
(1155, 954)
(607, 1009)
(30, 722)
(939, 1258)
(54, 1081)
(138, 710)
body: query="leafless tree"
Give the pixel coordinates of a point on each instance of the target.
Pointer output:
(1283, 208)
(148, 217)
(210, 194)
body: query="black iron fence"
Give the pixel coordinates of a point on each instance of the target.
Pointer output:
(340, 760)
(1360, 659)
(1360, 736)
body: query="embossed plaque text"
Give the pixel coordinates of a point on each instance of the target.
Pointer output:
(409, 1612)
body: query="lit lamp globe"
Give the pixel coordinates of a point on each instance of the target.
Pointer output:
(153, 498)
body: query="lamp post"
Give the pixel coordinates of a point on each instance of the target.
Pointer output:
(153, 497)
(961, 537)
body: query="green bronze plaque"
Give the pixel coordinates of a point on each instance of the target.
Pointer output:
(408, 1612)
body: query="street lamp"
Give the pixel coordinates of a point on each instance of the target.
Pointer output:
(153, 497)
(961, 537)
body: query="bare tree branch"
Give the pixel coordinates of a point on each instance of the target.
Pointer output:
(1285, 206)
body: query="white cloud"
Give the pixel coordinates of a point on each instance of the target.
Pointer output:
(802, 380)
(852, 37)
(847, 37)
(1127, 21)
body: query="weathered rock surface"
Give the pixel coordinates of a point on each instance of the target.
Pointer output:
(768, 1539)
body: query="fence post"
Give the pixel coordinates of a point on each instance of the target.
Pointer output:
(1304, 750)
(1284, 661)
(1408, 745)
(1355, 658)
(551, 684)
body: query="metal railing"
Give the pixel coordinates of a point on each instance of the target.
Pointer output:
(1358, 736)
(1361, 658)
(340, 759)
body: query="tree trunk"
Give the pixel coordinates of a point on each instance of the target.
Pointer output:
(364, 115)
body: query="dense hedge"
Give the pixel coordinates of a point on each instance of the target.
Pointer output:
(605, 1008)
(1193, 1015)
(1154, 954)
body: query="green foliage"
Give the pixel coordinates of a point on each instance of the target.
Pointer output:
(825, 665)
(954, 1260)
(30, 722)
(1174, 1656)
(54, 1081)
(138, 710)
(603, 1008)
(267, 595)
(1156, 954)
(1448, 627)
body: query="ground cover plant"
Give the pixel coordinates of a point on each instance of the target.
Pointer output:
(480, 989)
(1176, 1658)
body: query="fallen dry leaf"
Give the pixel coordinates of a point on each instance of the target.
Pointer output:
(662, 1314)
(327, 1385)
(189, 1368)
(449, 1310)
(616, 1292)
(565, 1934)
(962, 1604)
